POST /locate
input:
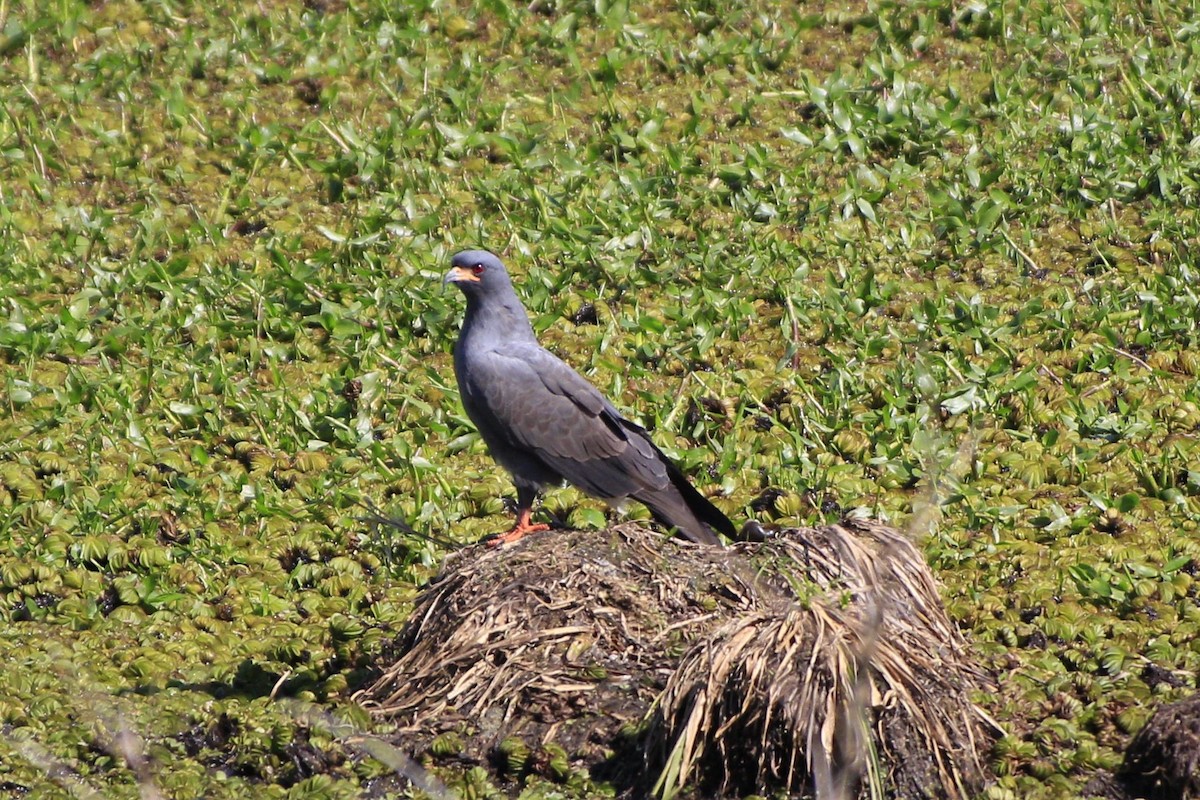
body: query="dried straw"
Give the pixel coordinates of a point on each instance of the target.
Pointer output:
(820, 661)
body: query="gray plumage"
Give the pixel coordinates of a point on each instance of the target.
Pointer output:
(544, 423)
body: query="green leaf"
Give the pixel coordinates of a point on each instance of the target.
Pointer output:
(797, 136)
(589, 517)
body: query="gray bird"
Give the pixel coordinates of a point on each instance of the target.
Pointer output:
(544, 423)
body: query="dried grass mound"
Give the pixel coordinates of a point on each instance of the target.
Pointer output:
(818, 657)
(1162, 762)
(863, 691)
(564, 636)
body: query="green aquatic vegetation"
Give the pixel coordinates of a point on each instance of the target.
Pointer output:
(930, 261)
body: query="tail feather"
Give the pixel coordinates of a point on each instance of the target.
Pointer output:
(682, 506)
(699, 505)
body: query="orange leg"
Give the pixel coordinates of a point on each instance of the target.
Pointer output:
(517, 531)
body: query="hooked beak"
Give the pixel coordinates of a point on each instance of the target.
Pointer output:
(459, 274)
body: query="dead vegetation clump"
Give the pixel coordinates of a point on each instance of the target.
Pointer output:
(1163, 760)
(819, 658)
(861, 690)
(567, 635)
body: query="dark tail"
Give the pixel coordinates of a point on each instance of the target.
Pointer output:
(682, 507)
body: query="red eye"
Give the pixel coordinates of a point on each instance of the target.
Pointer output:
(478, 269)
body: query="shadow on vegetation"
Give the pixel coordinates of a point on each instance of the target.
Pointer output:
(249, 681)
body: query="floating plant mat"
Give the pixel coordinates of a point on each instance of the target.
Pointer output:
(821, 654)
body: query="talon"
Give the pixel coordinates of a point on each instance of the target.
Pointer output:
(517, 531)
(509, 536)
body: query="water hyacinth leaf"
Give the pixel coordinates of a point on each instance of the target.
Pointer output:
(964, 401)
(589, 517)
(331, 235)
(797, 136)
(1128, 502)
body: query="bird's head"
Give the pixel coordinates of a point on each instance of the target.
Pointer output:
(479, 274)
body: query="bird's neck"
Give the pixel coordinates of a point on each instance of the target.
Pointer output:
(496, 322)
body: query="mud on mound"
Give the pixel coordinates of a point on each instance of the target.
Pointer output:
(823, 651)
